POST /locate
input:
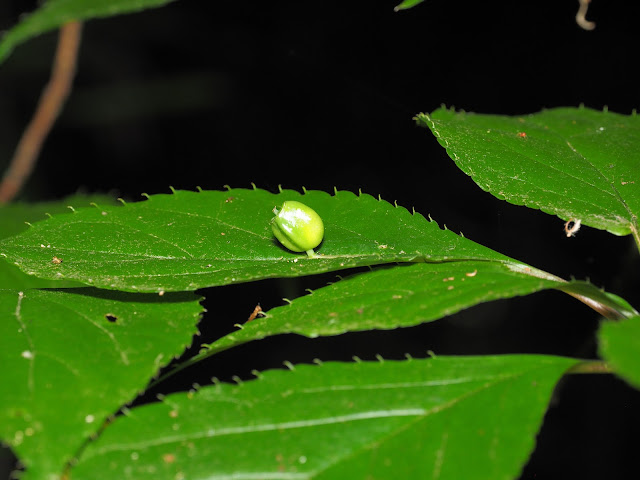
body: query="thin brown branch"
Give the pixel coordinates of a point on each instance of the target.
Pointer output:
(49, 106)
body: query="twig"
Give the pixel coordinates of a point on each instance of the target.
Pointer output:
(581, 16)
(49, 106)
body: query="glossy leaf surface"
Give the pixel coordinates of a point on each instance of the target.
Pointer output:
(389, 420)
(54, 13)
(191, 240)
(620, 347)
(576, 163)
(13, 220)
(70, 358)
(399, 296)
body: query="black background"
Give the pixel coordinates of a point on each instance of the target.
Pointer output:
(322, 94)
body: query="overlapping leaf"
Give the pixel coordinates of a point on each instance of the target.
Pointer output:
(577, 163)
(54, 13)
(190, 240)
(70, 358)
(412, 419)
(403, 296)
(13, 220)
(620, 347)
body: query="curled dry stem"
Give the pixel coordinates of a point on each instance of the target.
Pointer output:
(581, 16)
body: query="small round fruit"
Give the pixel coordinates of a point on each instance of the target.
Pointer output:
(298, 227)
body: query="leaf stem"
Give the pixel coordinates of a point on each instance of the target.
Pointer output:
(636, 234)
(591, 366)
(594, 299)
(606, 311)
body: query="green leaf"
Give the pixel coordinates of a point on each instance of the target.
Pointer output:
(192, 240)
(576, 163)
(55, 13)
(388, 298)
(445, 417)
(11, 277)
(407, 4)
(399, 296)
(71, 358)
(14, 218)
(620, 347)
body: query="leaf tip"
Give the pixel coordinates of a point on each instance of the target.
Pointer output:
(422, 119)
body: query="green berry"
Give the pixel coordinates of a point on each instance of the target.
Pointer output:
(297, 227)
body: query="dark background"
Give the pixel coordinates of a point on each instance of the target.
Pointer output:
(322, 94)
